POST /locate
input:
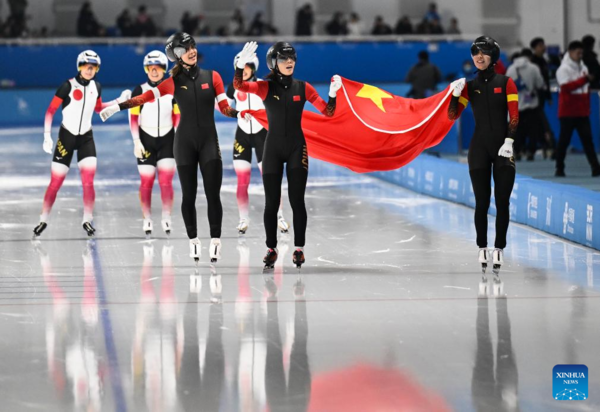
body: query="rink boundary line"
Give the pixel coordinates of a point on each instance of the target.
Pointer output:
(208, 302)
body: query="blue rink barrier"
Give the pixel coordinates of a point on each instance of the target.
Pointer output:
(562, 210)
(317, 62)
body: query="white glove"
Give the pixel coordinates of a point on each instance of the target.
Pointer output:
(247, 54)
(138, 149)
(457, 87)
(109, 111)
(48, 143)
(247, 117)
(125, 95)
(336, 84)
(507, 148)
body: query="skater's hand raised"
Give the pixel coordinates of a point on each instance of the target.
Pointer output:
(507, 148)
(457, 87)
(48, 143)
(138, 149)
(247, 54)
(109, 111)
(336, 84)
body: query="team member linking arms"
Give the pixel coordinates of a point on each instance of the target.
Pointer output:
(284, 99)
(494, 98)
(153, 130)
(249, 134)
(196, 142)
(79, 98)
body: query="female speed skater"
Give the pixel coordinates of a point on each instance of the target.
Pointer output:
(153, 131)
(196, 142)
(79, 98)
(249, 134)
(494, 98)
(284, 98)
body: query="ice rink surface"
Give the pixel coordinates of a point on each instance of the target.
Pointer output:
(388, 314)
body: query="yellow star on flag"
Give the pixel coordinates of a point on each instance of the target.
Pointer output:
(375, 94)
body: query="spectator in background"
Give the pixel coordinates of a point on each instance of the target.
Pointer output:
(189, 24)
(404, 26)
(538, 47)
(432, 13)
(530, 83)
(590, 59)
(305, 19)
(453, 28)
(236, 24)
(423, 77)
(424, 27)
(125, 24)
(258, 27)
(337, 25)
(435, 27)
(144, 25)
(18, 9)
(380, 27)
(355, 25)
(87, 24)
(574, 107)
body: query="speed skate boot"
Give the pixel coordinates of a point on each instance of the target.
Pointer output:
(483, 259)
(215, 249)
(298, 257)
(166, 225)
(147, 226)
(195, 249)
(37, 231)
(270, 258)
(242, 227)
(282, 224)
(498, 260)
(87, 226)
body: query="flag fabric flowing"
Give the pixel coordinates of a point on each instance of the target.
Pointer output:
(373, 130)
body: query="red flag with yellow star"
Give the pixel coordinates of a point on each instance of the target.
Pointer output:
(373, 130)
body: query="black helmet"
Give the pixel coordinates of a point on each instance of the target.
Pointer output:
(177, 45)
(280, 50)
(487, 46)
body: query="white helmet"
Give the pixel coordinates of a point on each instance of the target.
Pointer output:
(88, 57)
(253, 62)
(156, 58)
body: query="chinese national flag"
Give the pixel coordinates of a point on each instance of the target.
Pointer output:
(372, 129)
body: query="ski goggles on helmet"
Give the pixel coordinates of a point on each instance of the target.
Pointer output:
(284, 57)
(481, 47)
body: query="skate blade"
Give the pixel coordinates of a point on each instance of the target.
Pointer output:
(213, 260)
(268, 268)
(168, 232)
(241, 232)
(483, 268)
(284, 231)
(148, 234)
(496, 270)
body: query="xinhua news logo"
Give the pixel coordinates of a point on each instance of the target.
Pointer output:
(570, 382)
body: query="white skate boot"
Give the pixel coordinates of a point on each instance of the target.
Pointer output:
(215, 249)
(195, 249)
(282, 224)
(498, 261)
(166, 225)
(484, 257)
(243, 225)
(147, 225)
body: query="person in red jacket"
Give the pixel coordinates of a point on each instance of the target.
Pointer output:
(574, 107)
